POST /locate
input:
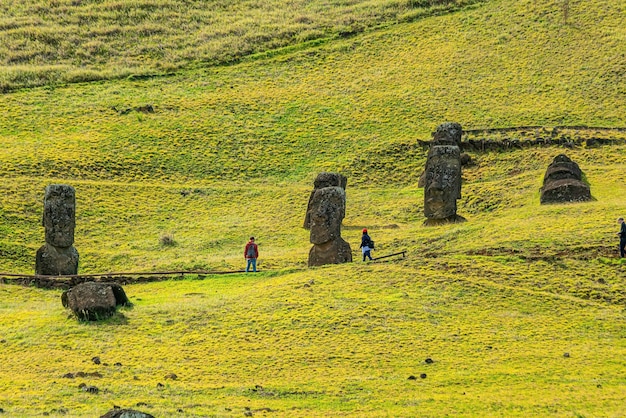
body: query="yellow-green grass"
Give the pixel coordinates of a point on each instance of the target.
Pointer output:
(51, 42)
(232, 152)
(334, 341)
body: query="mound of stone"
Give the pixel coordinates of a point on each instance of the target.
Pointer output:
(92, 301)
(563, 183)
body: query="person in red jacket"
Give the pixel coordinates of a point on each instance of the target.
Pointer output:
(251, 253)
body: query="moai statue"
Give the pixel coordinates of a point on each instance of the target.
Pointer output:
(442, 177)
(58, 255)
(324, 179)
(327, 208)
(563, 182)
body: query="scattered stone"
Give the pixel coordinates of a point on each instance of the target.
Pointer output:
(566, 355)
(171, 376)
(160, 385)
(90, 389)
(563, 183)
(412, 377)
(118, 364)
(428, 361)
(96, 360)
(442, 176)
(68, 376)
(92, 301)
(423, 375)
(126, 413)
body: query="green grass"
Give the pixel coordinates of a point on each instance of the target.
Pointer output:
(65, 41)
(232, 151)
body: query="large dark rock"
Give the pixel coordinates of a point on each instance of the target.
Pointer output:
(563, 183)
(59, 215)
(126, 413)
(324, 179)
(56, 261)
(92, 301)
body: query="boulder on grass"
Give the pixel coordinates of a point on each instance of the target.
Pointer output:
(126, 413)
(92, 301)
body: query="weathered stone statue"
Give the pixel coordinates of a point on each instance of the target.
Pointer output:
(442, 177)
(324, 179)
(327, 208)
(563, 182)
(58, 255)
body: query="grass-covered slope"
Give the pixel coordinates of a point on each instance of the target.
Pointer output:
(232, 151)
(51, 42)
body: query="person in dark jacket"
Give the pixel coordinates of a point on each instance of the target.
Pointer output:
(366, 245)
(251, 253)
(622, 237)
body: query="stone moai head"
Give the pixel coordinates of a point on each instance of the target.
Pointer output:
(324, 179)
(59, 215)
(448, 133)
(562, 167)
(327, 210)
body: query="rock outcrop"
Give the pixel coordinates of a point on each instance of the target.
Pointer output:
(92, 301)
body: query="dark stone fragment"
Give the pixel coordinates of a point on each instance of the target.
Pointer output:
(126, 413)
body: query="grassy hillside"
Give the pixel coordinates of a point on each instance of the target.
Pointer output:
(232, 151)
(51, 42)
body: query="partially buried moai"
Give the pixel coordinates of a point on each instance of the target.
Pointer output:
(442, 177)
(563, 182)
(327, 208)
(58, 255)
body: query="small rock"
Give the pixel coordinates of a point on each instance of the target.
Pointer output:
(428, 361)
(118, 364)
(96, 360)
(68, 375)
(412, 377)
(171, 376)
(91, 389)
(248, 413)
(423, 375)
(566, 355)
(160, 385)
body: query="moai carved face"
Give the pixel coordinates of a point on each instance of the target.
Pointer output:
(327, 211)
(59, 215)
(443, 182)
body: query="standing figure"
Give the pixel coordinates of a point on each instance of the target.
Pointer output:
(367, 245)
(622, 237)
(251, 253)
